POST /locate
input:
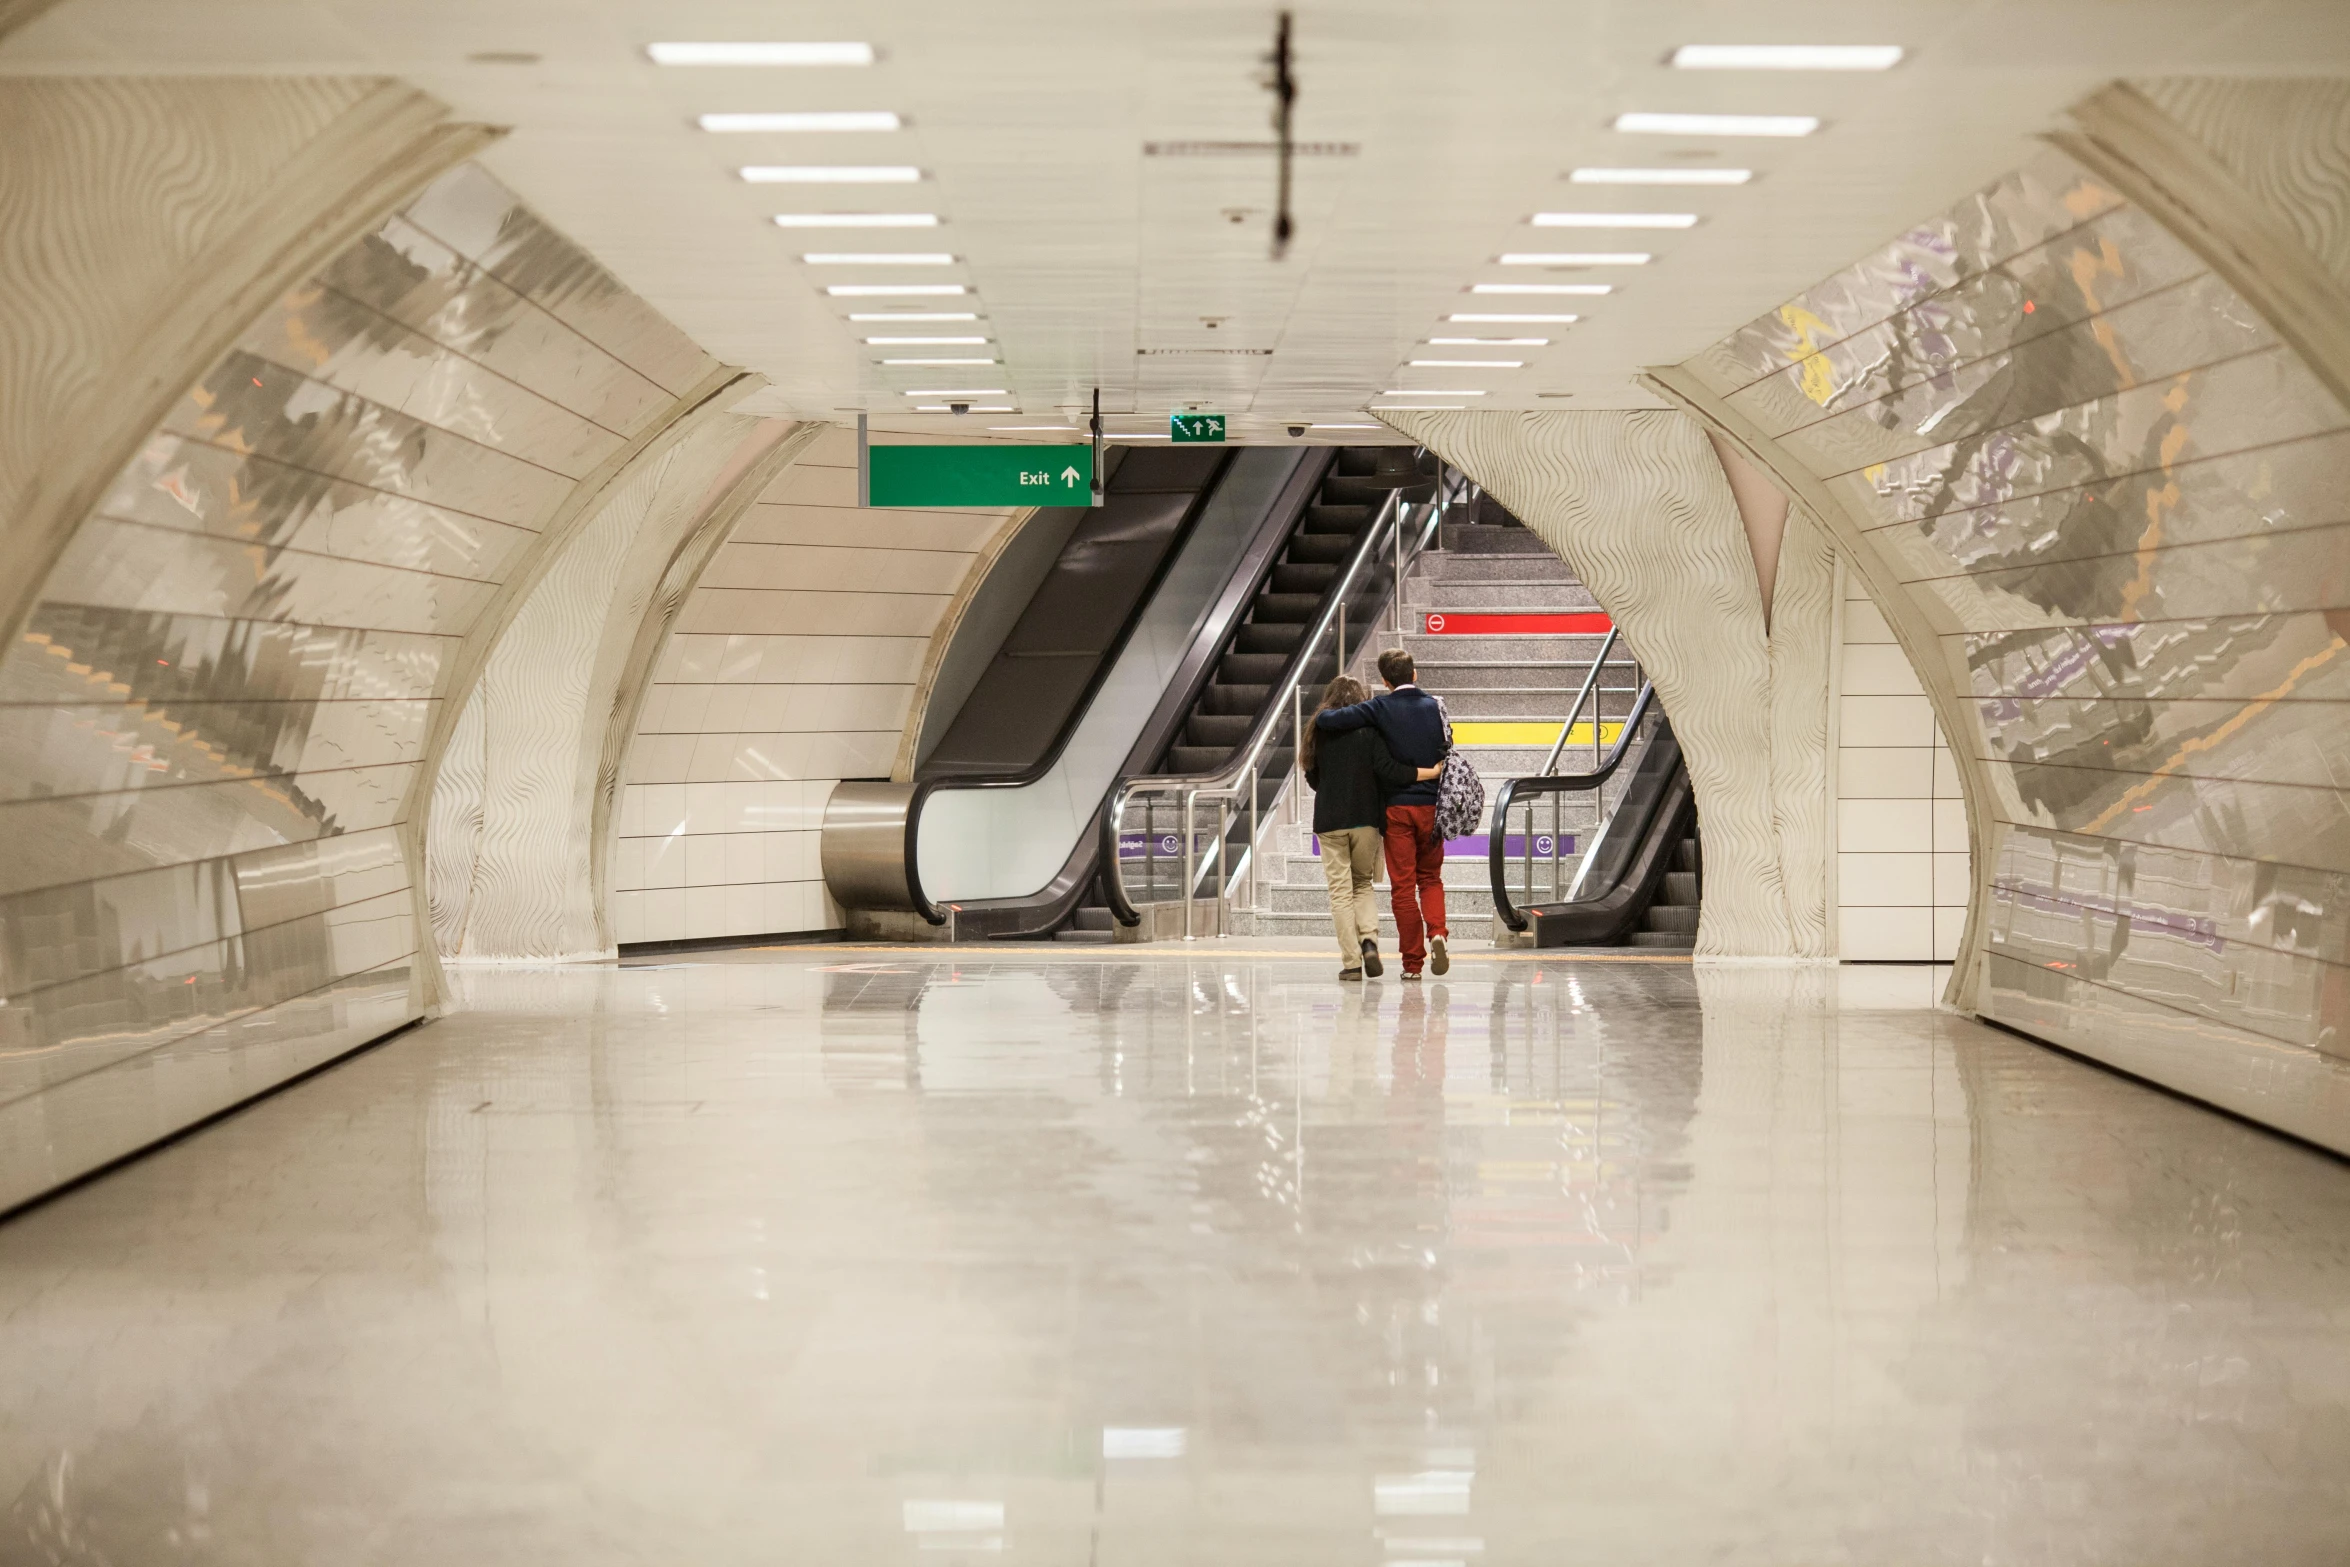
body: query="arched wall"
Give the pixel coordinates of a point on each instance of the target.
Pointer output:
(295, 404)
(2084, 436)
(1643, 508)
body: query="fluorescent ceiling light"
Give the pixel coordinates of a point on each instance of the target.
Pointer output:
(1468, 364)
(974, 408)
(881, 258)
(964, 391)
(1420, 408)
(1501, 319)
(988, 361)
(856, 220)
(1787, 57)
(1719, 124)
(1407, 391)
(924, 342)
(760, 54)
(1540, 288)
(1346, 427)
(1660, 176)
(1009, 429)
(832, 174)
(1614, 220)
(822, 120)
(1135, 435)
(873, 290)
(1478, 342)
(915, 315)
(1576, 258)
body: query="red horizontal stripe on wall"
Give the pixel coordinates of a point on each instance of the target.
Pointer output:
(1588, 623)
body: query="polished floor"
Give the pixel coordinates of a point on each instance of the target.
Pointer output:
(853, 1256)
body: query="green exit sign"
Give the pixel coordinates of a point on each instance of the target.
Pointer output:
(1198, 427)
(979, 476)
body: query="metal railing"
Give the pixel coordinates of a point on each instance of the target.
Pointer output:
(1240, 780)
(1528, 791)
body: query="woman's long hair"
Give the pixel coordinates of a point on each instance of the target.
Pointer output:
(1345, 691)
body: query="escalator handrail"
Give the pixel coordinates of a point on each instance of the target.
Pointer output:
(1024, 777)
(1515, 789)
(1224, 781)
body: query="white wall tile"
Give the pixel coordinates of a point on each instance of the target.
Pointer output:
(1884, 826)
(1953, 879)
(1864, 623)
(1946, 785)
(1950, 826)
(1884, 773)
(1876, 881)
(1889, 935)
(731, 610)
(1879, 669)
(628, 916)
(1884, 720)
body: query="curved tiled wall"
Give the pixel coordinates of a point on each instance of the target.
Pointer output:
(214, 714)
(790, 666)
(2103, 504)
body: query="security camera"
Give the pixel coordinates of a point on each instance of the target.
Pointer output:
(958, 408)
(1296, 430)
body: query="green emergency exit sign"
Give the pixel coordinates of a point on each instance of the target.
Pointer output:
(1197, 427)
(979, 476)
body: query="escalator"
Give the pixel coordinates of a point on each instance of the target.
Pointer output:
(1642, 879)
(1218, 714)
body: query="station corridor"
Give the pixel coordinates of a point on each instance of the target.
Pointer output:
(847, 1255)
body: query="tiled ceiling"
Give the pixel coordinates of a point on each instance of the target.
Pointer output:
(1094, 262)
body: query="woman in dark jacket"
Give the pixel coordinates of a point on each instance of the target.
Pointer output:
(1353, 773)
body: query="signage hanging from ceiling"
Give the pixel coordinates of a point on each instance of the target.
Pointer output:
(1005, 475)
(1196, 428)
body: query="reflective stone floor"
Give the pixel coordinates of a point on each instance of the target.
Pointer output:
(864, 1256)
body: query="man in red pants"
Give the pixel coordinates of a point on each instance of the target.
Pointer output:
(1412, 724)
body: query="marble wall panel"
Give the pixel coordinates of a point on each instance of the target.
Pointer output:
(2129, 541)
(214, 713)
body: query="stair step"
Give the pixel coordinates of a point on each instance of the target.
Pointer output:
(1679, 887)
(1087, 938)
(1668, 940)
(1676, 917)
(1477, 539)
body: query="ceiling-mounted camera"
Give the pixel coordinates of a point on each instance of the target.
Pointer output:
(1296, 430)
(958, 408)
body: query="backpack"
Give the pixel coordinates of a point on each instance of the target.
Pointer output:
(1460, 793)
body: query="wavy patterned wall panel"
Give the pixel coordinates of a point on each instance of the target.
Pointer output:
(234, 661)
(1639, 503)
(2113, 500)
(789, 667)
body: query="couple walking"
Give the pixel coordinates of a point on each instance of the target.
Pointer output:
(1373, 763)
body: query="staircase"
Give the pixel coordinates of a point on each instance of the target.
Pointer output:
(1507, 694)
(1276, 625)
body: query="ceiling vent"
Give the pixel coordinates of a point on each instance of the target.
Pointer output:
(1249, 149)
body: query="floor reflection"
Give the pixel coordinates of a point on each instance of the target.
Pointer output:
(870, 1256)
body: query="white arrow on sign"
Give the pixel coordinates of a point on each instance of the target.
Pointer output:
(1069, 475)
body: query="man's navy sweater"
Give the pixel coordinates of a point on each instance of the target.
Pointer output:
(1411, 723)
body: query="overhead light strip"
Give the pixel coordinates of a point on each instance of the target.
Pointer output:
(1542, 288)
(760, 54)
(925, 342)
(1575, 258)
(856, 220)
(880, 258)
(832, 174)
(1468, 364)
(877, 290)
(1718, 124)
(1490, 319)
(1787, 57)
(1614, 220)
(817, 120)
(915, 315)
(1660, 176)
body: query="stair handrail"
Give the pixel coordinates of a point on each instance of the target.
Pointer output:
(1514, 789)
(1223, 784)
(1550, 764)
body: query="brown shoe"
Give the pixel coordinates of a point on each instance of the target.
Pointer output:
(1371, 964)
(1438, 959)
(1350, 973)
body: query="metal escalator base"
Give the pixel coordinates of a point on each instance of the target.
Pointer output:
(1654, 903)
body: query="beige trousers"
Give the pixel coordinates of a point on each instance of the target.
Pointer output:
(1350, 860)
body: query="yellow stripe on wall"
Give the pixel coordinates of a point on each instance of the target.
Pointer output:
(1529, 732)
